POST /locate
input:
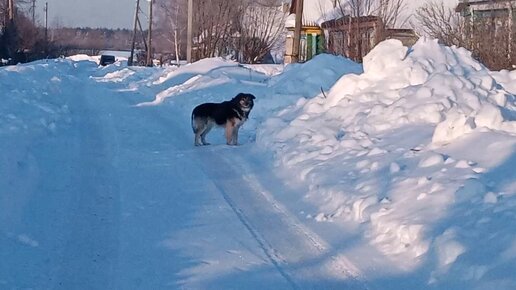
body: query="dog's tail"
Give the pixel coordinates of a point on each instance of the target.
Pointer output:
(194, 127)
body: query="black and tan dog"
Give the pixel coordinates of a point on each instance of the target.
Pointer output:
(229, 114)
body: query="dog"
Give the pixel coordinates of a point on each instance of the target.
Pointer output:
(228, 114)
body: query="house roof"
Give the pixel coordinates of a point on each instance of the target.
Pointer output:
(345, 20)
(315, 12)
(466, 3)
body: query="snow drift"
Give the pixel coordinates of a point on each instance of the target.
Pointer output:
(397, 149)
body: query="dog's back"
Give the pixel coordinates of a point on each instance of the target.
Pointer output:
(218, 112)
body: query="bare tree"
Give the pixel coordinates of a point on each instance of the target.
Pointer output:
(489, 35)
(16, 33)
(171, 22)
(259, 25)
(214, 26)
(244, 29)
(3, 14)
(359, 7)
(390, 12)
(438, 20)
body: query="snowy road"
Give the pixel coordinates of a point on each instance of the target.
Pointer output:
(390, 181)
(121, 199)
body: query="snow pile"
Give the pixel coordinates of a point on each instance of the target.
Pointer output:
(32, 104)
(430, 84)
(84, 57)
(201, 67)
(398, 149)
(306, 79)
(298, 80)
(209, 80)
(507, 79)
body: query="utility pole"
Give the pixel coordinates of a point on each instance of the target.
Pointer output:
(11, 10)
(189, 32)
(138, 25)
(297, 30)
(46, 22)
(149, 46)
(34, 12)
(130, 60)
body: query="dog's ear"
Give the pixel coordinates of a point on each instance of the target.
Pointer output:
(251, 96)
(238, 97)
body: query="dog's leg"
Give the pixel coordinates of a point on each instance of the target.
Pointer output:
(235, 135)
(206, 131)
(197, 140)
(197, 137)
(199, 127)
(229, 132)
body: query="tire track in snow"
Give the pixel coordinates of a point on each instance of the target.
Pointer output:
(289, 245)
(271, 253)
(341, 263)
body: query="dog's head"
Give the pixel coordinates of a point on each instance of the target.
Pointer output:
(244, 101)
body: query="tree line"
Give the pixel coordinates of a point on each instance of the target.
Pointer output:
(21, 40)
(245, 29)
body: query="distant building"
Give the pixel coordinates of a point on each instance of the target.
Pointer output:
(486, 8)
(324, 29)
(354, 37)
(312, 35)
(488, 28)
(501, 13)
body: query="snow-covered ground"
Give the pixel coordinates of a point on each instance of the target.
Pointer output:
(400, 176)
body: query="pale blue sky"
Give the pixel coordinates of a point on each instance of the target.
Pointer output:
(90, 13)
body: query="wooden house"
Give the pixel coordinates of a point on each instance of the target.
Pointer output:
(324, 29)
(487, 8)
(499, 14)
(354, 37)
(312, 35)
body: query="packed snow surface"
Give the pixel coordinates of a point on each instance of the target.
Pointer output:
(395, 174)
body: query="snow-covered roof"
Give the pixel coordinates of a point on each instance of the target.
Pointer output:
(316, 12)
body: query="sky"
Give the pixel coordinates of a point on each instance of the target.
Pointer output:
(90, 13)
(112, 13)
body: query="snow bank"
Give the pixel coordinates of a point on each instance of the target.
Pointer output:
(30, 100)
(386, 149)
(84, 57)
(507, 79)
(431, 84)
(306, 79)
